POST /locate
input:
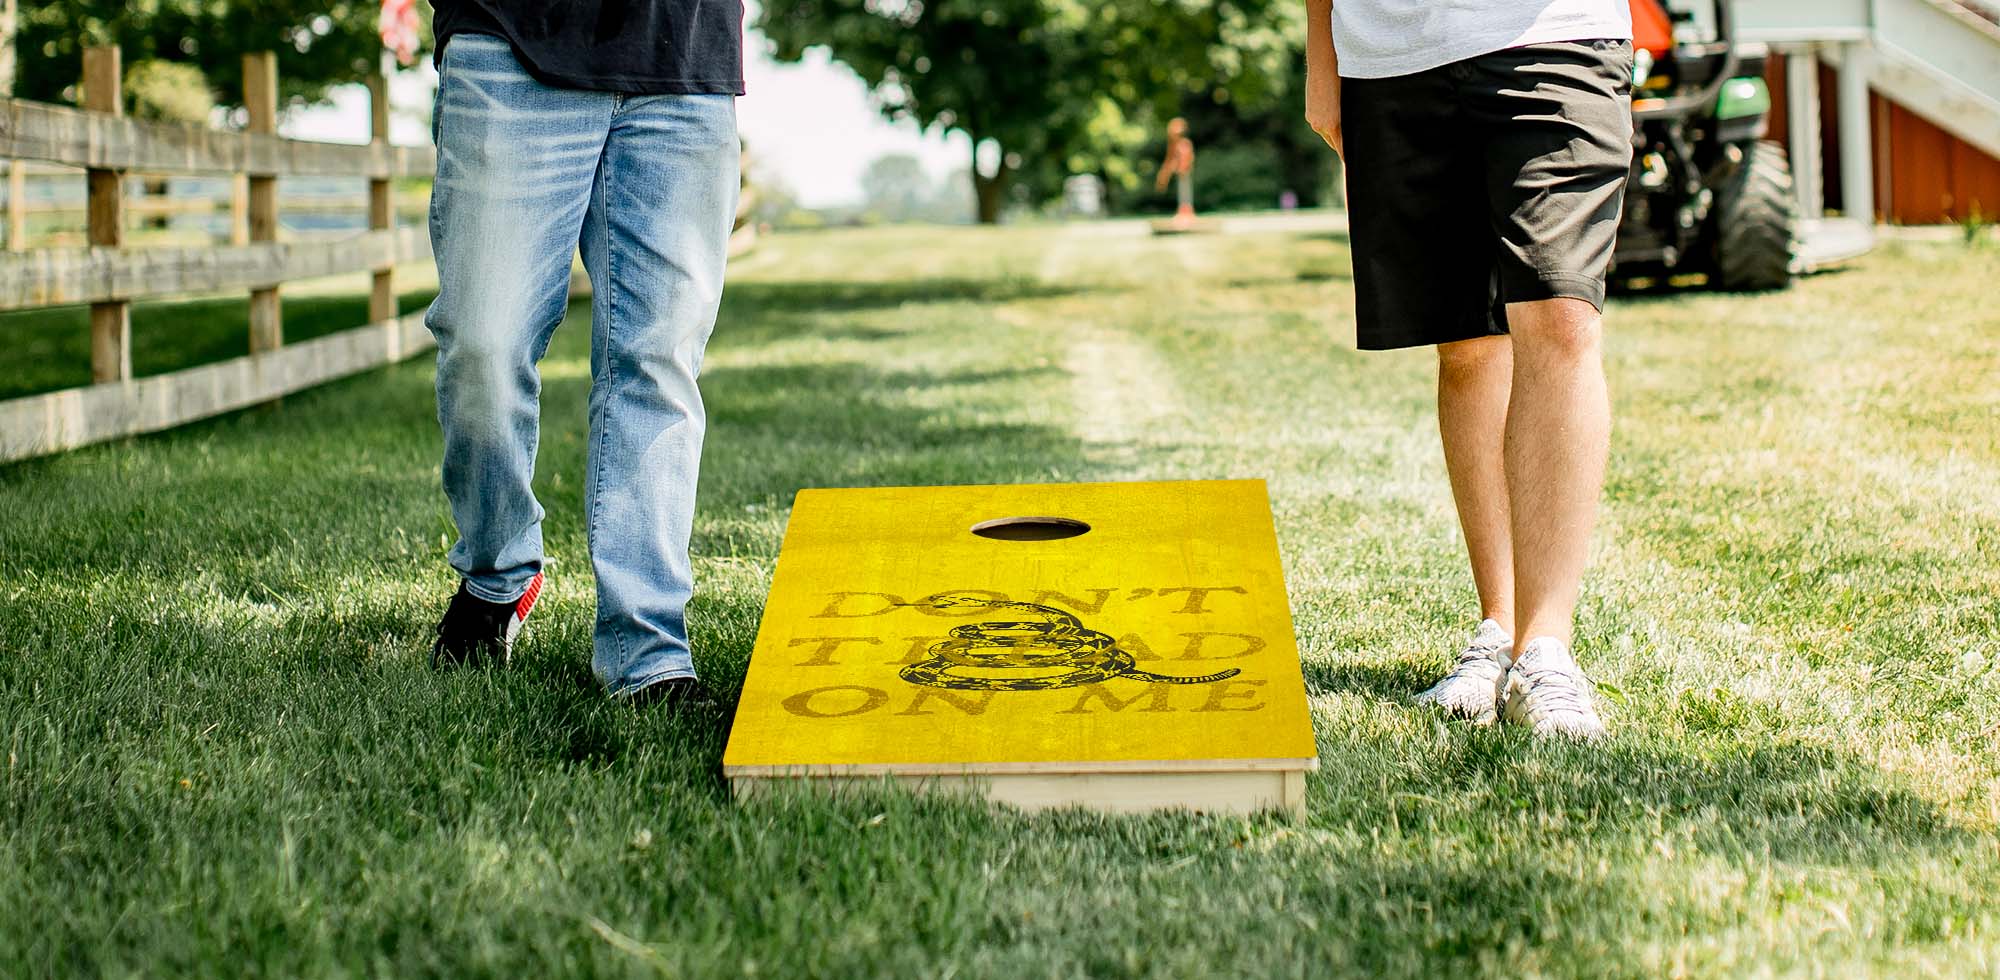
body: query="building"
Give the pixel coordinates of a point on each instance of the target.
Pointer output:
(1889, 107)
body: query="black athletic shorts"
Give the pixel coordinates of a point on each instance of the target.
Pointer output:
(1488, 181)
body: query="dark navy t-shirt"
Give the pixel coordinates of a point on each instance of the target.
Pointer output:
(638, 47)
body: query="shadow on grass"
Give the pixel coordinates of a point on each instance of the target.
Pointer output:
(1388, 682)
(1310, 274)
(764, 297)
(756, 312)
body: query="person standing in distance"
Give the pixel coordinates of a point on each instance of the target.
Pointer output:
(1486, 145)
(608, 125)
(1178, 165)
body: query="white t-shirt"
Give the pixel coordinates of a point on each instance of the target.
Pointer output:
(1381, 38)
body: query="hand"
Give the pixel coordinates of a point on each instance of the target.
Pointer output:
(1323, 107)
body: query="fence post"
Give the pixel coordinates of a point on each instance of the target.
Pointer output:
(110, 323)
(381, 198)
(260, 97)
(239, 209)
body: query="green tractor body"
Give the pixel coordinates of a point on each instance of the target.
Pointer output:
(1708, 195)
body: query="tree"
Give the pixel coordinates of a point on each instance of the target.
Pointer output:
(321, 42)
(174, 91)
(171, 91)
(896, 186)
(1043, 87)
(1248, 156)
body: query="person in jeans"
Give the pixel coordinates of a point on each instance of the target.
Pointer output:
(608, 125)
(1486, 144)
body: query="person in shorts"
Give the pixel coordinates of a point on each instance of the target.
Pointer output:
(1486, 144)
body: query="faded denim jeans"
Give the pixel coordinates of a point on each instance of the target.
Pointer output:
(647, 186)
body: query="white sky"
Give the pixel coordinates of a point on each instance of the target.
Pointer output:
(810, 125)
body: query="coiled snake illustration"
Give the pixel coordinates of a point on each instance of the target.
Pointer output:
(1055, 640)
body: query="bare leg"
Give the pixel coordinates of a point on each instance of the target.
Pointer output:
(1474, 378)
(1558, 437)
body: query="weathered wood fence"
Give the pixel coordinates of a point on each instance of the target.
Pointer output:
(109, 276)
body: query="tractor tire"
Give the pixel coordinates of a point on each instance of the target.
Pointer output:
(1756, 222)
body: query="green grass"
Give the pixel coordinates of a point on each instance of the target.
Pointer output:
(225, 756)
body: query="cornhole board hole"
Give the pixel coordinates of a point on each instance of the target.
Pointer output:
(1119, 646)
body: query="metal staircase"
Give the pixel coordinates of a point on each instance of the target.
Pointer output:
(1940, 59)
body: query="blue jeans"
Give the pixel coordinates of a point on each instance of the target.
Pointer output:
(646, 185)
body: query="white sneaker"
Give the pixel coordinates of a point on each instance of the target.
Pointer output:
(1473, 688)
(1547, 691)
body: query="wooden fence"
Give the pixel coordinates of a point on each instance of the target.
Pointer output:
(109, 276)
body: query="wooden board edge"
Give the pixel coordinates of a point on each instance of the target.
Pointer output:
(1241, 792)
(1054, 768)
(1294, 792)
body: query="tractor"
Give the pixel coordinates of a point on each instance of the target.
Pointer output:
(1708, 193)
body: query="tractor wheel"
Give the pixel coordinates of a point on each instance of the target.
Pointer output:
(1756, 222)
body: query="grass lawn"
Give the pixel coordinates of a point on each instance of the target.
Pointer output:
(225, 754)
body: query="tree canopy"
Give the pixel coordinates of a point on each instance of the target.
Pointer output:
(319, 42)
(1045, 87)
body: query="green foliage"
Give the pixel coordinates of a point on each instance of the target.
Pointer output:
(320, 43)
(896, 184)
(175, 91)
(1976, 227)
(1060, 86)
(1246, 156)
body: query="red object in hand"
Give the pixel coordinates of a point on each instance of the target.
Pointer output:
(398, 25)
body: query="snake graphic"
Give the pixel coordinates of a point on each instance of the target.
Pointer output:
(1054, 639)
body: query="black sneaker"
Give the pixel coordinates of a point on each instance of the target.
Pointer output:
(475, 632)
(675, 694)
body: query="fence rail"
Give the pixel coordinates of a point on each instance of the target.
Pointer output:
(61, 277)
(101, 141)
(109, 276)
(158, 206)
(42, 424)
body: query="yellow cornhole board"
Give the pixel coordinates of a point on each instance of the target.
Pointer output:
(947, 637)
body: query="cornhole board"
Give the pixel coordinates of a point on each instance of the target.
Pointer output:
(1199, 226)
(941, 636)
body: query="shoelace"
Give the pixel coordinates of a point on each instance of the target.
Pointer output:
(1554, 690)
(1475, 655)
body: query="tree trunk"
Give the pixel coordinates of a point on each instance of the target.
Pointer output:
(990, 193)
